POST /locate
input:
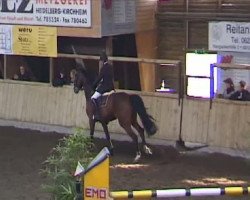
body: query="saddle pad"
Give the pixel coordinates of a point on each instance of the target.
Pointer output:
(103, 100)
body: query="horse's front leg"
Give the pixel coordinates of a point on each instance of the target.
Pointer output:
(92, 128)
(106, 131)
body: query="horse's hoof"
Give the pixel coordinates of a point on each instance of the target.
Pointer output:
(92, 147)
(92, 139)
(137, 157)
(147, 150)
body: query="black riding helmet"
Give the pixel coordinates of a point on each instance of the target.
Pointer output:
(103, 56)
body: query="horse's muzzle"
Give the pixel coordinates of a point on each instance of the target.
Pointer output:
(76, 90)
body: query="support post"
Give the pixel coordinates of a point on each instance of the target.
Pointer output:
(51, 70)
(5, 67)
(109, 46)
(146, 43)
(211, 84)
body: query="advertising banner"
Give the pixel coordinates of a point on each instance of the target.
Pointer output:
(28, 40)
(35, 40)
(68, 13)
(229, 36)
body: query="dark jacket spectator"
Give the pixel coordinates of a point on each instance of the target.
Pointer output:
(22, 75)
(229, 88)
(60, 80)
(242, 94)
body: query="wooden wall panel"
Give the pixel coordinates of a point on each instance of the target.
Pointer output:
(203, 5)
(145, 15)
(226, 125)
(171, 45)
(172, 6)
(229, 124)
(40, 103)
(195, 120)
(198, 35)
(240, 6)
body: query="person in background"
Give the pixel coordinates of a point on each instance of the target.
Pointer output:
(229, 88)
(60, 79)
(72, 76)
(22, 75)
(241, 94)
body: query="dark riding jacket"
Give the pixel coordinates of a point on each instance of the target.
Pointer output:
(105, 80)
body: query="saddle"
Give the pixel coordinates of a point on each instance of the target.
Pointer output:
(103, 100)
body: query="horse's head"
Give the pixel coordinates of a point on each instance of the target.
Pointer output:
(80, 80)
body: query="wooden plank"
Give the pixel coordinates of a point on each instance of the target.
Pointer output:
(168, 118)
(195, 120)
(198, 34)
(229, 125)
(124, 59)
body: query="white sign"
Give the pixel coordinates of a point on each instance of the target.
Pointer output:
(229, 36)
(68, 13)
(6, 39)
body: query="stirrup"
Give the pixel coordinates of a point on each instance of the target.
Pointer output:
(96, 117)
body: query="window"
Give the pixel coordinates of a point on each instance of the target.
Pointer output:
(198, 74)
(37, 68)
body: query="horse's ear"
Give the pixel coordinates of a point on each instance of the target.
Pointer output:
(80, 69)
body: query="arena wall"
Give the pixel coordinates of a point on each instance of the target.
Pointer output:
(227, 124)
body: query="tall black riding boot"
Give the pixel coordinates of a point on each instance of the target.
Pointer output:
(96, 115)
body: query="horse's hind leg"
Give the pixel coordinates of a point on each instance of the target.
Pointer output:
(140, 130)
(106, 131)
(130, 132)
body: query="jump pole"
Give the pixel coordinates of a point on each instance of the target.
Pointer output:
(96, 185)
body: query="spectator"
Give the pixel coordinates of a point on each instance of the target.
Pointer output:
(242, 94)
(60, 79)
(229, 88)
(23, 74)
(72, 76)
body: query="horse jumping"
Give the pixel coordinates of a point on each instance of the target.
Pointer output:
(121, 106)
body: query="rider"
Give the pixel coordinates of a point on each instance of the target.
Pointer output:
(104, 82)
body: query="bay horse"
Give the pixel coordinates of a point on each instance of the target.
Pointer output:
(121, 106)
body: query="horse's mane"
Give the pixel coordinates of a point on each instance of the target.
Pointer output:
(84, 72)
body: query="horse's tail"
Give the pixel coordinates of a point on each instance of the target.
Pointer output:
(147, 120)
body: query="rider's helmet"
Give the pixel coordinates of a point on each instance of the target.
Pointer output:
(103, 56)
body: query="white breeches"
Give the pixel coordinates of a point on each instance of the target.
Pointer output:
(96, 95)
